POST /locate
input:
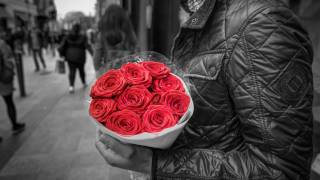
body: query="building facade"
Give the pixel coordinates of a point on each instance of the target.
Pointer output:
(156, 22)
(47, 12)
(17, 13)
(26, 13)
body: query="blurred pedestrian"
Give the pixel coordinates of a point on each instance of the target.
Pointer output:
(46, 38)
(6, 85)
(91, 34)
(52, 43)
(36, 39)
(8, 37)
(116, 38)
(18, 39)
(29, 41)
(73, 49)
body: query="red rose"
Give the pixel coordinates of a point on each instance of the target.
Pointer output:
(177, 101)
(110, 84)
(157, 118)
(124, 122)
(156, 69)
(168, 83)
(156, 97)
(136, 74)
(135, 98)
(100, 109)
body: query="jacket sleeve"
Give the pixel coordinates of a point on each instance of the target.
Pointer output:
(269, 79)
(196, 164)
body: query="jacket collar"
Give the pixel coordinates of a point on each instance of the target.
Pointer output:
(199, 18)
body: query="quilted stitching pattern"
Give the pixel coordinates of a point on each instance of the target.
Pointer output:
(250, 71)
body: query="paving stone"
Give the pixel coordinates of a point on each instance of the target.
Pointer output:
(102, 172)
(24, 165)
(20, 177)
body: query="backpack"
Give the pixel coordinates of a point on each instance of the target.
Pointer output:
(6, 73)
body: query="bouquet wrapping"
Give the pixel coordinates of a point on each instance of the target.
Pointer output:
(141, 101)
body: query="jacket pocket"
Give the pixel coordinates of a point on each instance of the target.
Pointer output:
(205, 66)
(207, 89)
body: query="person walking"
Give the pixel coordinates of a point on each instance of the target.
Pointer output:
(18, 37)
(73, 49)
(116, 38)
(248, 64)
(6, 85)
(29, 41)
(36, 44)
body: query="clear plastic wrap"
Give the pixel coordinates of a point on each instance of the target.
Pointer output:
(165, 138)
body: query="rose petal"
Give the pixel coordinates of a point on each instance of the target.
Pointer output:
(135, 98)
(100, 109)
(177, 101)
(157, 118)
(136, 74)
(124, 122)
(157, 70)
(110, 84)
(168, 83)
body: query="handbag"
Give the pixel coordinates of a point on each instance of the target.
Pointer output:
(60, 66)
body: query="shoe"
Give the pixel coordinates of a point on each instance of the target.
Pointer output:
(36, 70)
(0, 139)
(19, 127)
(71, 89)
(85, 85)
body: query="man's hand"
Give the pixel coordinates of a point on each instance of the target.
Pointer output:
(125, 156)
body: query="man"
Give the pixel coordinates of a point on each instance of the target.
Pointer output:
(73, 49)
(249, 66)
(18, 38)
(36, 44)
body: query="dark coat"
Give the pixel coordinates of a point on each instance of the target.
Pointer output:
(6, 52)
(73, 48)
(249, 66)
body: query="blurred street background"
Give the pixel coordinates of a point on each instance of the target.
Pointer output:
(58, 142)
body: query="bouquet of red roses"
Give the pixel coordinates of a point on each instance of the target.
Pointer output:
(141, 103)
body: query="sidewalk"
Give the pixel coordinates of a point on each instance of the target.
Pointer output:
(59, 139)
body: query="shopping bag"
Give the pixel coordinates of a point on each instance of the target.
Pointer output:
(60, 66)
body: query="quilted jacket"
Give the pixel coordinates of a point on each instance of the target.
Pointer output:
(248, 63)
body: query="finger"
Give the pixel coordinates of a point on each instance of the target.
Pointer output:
(98, 133)
(124, 150)
(101, 148)
(110, 157)
(111, 142)
(107, 140)
(103, 151)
